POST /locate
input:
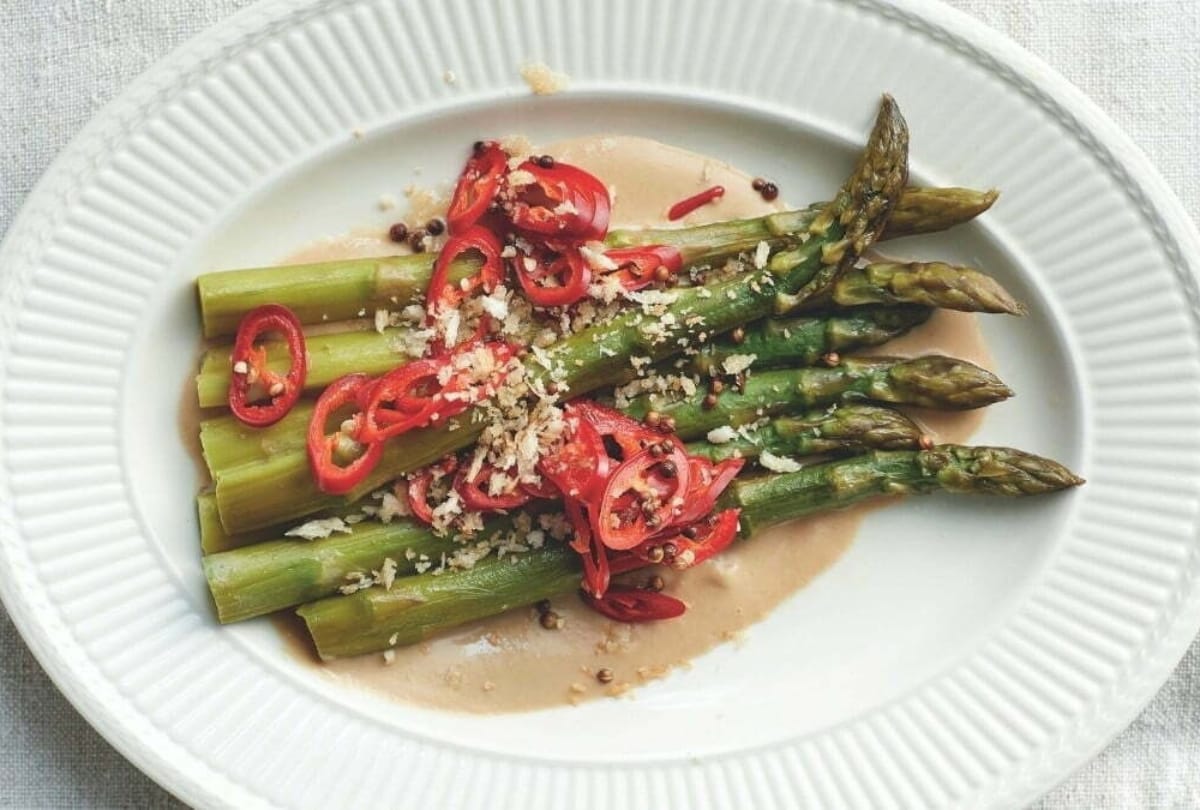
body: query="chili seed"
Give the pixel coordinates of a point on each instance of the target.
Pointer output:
(604, 675)
(653, 418)
(552, 387)
(691, 532)
(667, 445)
(550, 620)
(757, 183)
(416, 241)
(478, 147)
(435, 226)
(546, 161)
(655, 583)
(669, 470)
(738, 336)
(925, 442)
(669, 550)
(831, 359)
(710, 402)
(716, 386)
(655, 554)
(653, 521)
(769, 191)
(662, 274)
(398, 233)
(656, 450)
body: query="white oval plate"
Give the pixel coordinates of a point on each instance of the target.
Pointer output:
(963, 653)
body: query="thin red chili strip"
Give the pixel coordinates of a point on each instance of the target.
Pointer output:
(686, 206)
(322, 448)
(625, 604)
(248, 364)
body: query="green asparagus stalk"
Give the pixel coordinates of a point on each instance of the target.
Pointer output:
(929, 382)
(269, 576)
(415, 608)
(783, 341)
(226, 442)
(841, 429)
(281, 489)
(931, 284)
(933, 381)
(339, 290)
(262, 577)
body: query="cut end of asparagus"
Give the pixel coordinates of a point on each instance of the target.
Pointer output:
(996, 471)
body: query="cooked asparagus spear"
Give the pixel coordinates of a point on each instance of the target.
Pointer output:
(841, 429)
(931, 284)
(282, 489)
(415, 608)
(786, 341)
(338, 290)
(269, 576)
(932, 381)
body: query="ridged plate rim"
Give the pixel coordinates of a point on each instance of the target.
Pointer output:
(1025, 72)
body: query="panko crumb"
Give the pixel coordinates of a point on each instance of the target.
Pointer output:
(387, 202)
(542, 80)
(318, 529)
(779, 464)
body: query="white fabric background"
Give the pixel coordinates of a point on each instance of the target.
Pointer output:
(61, 59)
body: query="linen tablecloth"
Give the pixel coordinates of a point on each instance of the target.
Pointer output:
(60, 60)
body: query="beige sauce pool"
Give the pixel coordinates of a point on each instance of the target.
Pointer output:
(510, 663)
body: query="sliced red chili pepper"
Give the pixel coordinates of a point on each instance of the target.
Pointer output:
(419, 393)
(249, 366)
(322, 448)
(419, 484)
(698, 541)
(686, 206)
(562, 202)
(637, 266)
(555, 281)
(477, 186)
(630, 435)
(641, 498)
(592, 553)
(580, 466)
(445, 294)
(475, 495)
(404, 398)
(707, 482)
(625, 604)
